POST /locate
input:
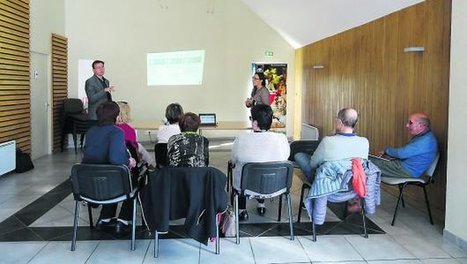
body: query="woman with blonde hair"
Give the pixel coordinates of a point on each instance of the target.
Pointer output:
(123, 120)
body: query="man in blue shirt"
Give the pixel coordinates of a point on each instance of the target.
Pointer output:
(413, 159)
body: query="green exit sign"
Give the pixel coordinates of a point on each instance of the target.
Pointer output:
(268, 53)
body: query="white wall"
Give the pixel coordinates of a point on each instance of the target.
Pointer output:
(456, 194)
(47, 17)
(122, 32)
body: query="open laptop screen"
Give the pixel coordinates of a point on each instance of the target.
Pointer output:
(208, 119)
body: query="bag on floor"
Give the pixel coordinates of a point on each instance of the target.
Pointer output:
(23, 162)
(227, 224)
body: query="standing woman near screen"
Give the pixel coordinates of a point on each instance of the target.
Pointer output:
(259, 94)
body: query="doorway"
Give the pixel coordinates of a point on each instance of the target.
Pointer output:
(40, 136)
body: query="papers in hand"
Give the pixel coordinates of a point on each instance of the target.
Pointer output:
(384, 157)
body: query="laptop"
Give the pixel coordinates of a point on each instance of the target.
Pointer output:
(208, 119)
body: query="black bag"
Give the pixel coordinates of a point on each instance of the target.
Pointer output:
(23, 162)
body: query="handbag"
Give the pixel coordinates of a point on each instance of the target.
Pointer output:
(23, 162)
(227, 224)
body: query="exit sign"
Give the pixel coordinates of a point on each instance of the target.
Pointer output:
(268, 53)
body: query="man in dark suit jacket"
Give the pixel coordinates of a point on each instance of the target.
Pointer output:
(97, 89)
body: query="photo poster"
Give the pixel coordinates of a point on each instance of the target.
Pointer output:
(276, 83)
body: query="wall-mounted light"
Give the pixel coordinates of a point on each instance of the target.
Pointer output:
(319, 66)
(414, 49)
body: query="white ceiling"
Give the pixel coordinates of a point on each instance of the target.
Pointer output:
(301, 22)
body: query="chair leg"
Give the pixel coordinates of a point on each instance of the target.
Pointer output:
(428, 205)
(289, 207)
(313, 226)
(301, 202)
(75, 226)
(218, 242)
(156, 244)
(75, 139)
(362, 205)
(133, 226)
(279, 214)
(401, 190)
(402, 197)
(91, 223)
(237, 225)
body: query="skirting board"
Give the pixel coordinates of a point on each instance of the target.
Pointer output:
(455, 239)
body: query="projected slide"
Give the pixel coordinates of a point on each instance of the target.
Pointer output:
(175, 68)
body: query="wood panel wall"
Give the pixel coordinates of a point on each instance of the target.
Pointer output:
(366, 68)
(15, 92)
(59, 84)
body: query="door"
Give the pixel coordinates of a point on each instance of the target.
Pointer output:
(40, 136)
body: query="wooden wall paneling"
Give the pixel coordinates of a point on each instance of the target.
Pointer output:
(59, 85)
(15, 94)
(366, 68)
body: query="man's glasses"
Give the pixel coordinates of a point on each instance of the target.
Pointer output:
(254, 78)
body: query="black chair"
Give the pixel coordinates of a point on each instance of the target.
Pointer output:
(308, 147)
(265, 180)
(74, 120)
(424, 180)
(160, 153)
(194, 193)
(340, 197)
(102, 184)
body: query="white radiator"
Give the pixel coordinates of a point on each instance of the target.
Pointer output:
(309, 132)
(7, 156)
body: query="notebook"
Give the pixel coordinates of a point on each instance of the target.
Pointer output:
(208, 119)
(384, 157)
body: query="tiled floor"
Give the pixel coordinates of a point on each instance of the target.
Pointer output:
(36, 229)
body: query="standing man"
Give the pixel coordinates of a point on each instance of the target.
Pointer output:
(345, 144)
(413, 159)
(97, 90)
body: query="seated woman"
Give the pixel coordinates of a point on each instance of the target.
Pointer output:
(105, 144)
(173, 113)
(123, 120)
(188, 149)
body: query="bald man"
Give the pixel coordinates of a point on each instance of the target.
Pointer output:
(413, 159)
(345, 144)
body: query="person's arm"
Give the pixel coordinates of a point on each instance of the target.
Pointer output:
(413, 148)
(206, 151)
(118, 153)
(93, 92)
(318, 156)
(234, 158)
(264, 96)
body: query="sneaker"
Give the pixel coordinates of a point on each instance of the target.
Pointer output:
(243, 215)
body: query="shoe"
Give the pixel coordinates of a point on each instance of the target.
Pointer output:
(243, 215)
(121, 228)
(261, 209)
(103, 224)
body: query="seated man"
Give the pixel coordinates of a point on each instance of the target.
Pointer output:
(188, 149)
(414, 158)
(105, 144)
(345, 144)
(259, 146)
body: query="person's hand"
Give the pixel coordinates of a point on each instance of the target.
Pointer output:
(249, 102)
(132, 163)
(110, 89)
(380, 153)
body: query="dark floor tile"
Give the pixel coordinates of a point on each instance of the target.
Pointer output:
(11, 224)
(23, 234)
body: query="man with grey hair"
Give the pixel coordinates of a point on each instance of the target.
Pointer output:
(344, 144)
(413, 159)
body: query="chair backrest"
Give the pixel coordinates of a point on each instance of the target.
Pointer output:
(306, 146)
(100, 182)
(73, 106)
(160, 153)
(266, 177)
(431, 170)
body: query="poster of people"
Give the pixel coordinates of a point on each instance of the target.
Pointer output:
(276, 83)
